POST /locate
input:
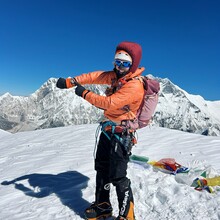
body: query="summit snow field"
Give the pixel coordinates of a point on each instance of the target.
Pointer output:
(49, 174)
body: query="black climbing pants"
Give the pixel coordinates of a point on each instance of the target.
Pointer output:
(111, 165)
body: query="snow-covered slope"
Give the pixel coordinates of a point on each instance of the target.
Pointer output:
(48, 174)
(52, 107)
(47, 107)
(180, 110)
(3, 133)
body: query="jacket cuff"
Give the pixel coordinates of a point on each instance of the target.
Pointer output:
(69, 83)
(85, 93)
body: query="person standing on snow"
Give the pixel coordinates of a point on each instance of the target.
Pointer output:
(120, 106)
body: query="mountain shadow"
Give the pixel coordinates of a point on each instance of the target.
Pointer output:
(67, 186)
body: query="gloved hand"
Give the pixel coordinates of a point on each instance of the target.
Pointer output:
(79, 90)
(65, 83)
(61, 83)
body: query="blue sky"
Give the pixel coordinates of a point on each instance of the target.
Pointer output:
(40, 39)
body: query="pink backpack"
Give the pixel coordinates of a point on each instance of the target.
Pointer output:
(148, 105)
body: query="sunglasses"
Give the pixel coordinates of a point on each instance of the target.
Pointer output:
(121, 63)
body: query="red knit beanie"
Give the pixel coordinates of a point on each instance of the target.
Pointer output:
(134, 50)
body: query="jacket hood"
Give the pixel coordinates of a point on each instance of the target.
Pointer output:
(134, 50)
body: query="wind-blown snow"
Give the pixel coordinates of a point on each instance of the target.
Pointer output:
(54, 178)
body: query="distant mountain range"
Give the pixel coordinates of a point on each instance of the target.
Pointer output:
(52, 107)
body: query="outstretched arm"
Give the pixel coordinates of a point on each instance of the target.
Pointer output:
(98, 77)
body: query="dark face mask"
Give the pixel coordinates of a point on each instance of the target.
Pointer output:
(120, 74)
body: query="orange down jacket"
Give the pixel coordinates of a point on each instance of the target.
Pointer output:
(124, 102)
